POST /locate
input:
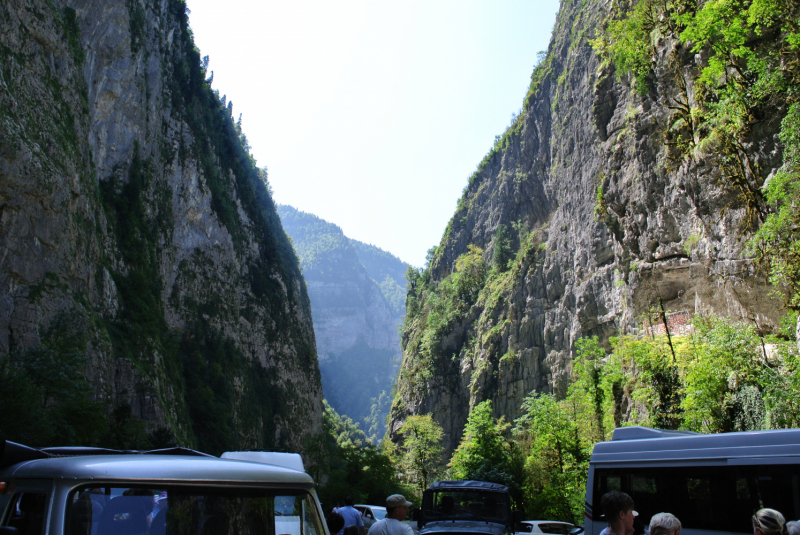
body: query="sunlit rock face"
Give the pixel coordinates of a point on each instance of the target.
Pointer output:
(128, 205)
(617, 225)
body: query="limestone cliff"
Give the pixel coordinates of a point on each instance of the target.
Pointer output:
(601, 221)
(352, 287)
(129, 203)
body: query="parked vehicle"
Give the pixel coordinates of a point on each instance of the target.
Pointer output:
(548, 526)
(93, 491)
(712, 483)
(475, 507)
(371, 513)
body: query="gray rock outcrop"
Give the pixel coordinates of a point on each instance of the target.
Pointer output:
(609, 222)
(128, 202)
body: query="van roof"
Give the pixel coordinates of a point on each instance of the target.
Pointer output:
(161, 468)
(632, 444)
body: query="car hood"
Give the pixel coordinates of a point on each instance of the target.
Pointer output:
(445, 527)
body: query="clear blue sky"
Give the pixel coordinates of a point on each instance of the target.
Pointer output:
(372, 114)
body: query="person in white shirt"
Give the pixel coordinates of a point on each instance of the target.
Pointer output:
(396, 511)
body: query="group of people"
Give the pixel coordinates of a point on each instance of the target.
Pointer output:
(620, 514)
(618, 509)
(347, 520)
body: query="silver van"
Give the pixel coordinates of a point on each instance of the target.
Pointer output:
(92, 491)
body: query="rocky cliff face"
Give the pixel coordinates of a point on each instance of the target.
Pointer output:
(354, 319)
(606, 222)
(128, 203)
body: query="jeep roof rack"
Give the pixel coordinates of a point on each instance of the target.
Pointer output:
(13, 453)
(468, 485)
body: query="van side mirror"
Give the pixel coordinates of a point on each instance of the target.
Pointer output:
(577, 530)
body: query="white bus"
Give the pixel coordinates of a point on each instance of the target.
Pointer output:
(712, 483)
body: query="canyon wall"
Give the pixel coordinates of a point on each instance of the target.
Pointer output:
(603, 221)
(130, 208)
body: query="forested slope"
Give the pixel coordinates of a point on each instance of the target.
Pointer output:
(148, 294)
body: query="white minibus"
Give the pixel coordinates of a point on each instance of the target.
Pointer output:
(712, 483)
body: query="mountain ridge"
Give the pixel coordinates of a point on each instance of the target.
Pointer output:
(355, 291)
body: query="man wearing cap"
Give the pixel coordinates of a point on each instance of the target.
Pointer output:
(619, 513)
(396, 511)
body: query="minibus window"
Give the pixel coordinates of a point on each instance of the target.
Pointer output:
(742, 489)
(643, 484)
(716, 498)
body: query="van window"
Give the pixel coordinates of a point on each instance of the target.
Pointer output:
(27, 514)
(719, 498)
(190, 510)
(556, 528)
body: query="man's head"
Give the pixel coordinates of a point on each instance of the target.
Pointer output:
(397, 506)
(349, 500)
(618, 510)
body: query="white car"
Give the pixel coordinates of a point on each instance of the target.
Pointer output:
(370, 513)
(548, 526)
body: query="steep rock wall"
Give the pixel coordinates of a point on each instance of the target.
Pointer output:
(606, 221)
(128, 204)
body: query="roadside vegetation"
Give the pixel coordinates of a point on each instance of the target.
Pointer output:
(721, 377)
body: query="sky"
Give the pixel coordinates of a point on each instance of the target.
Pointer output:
(372, 114)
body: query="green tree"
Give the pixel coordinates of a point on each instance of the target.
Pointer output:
(588, 373)
(351, 466)
(657, 381)
(420, 454)
(44, 397)
(501, 248)
(483, 446)
(557, 458)
(777, 242)
(727, 358)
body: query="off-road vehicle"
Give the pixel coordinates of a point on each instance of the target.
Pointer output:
(466, 508)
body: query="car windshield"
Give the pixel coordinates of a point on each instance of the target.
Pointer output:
(173, 510)
(492, 506)
(380, 514)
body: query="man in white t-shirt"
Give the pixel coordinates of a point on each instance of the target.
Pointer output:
(392, 524)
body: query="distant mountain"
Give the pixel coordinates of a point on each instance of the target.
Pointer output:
(357, 294)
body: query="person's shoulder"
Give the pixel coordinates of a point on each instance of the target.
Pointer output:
(377, 527)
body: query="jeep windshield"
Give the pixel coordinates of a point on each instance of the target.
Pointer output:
(467, 505)
(190, 510)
